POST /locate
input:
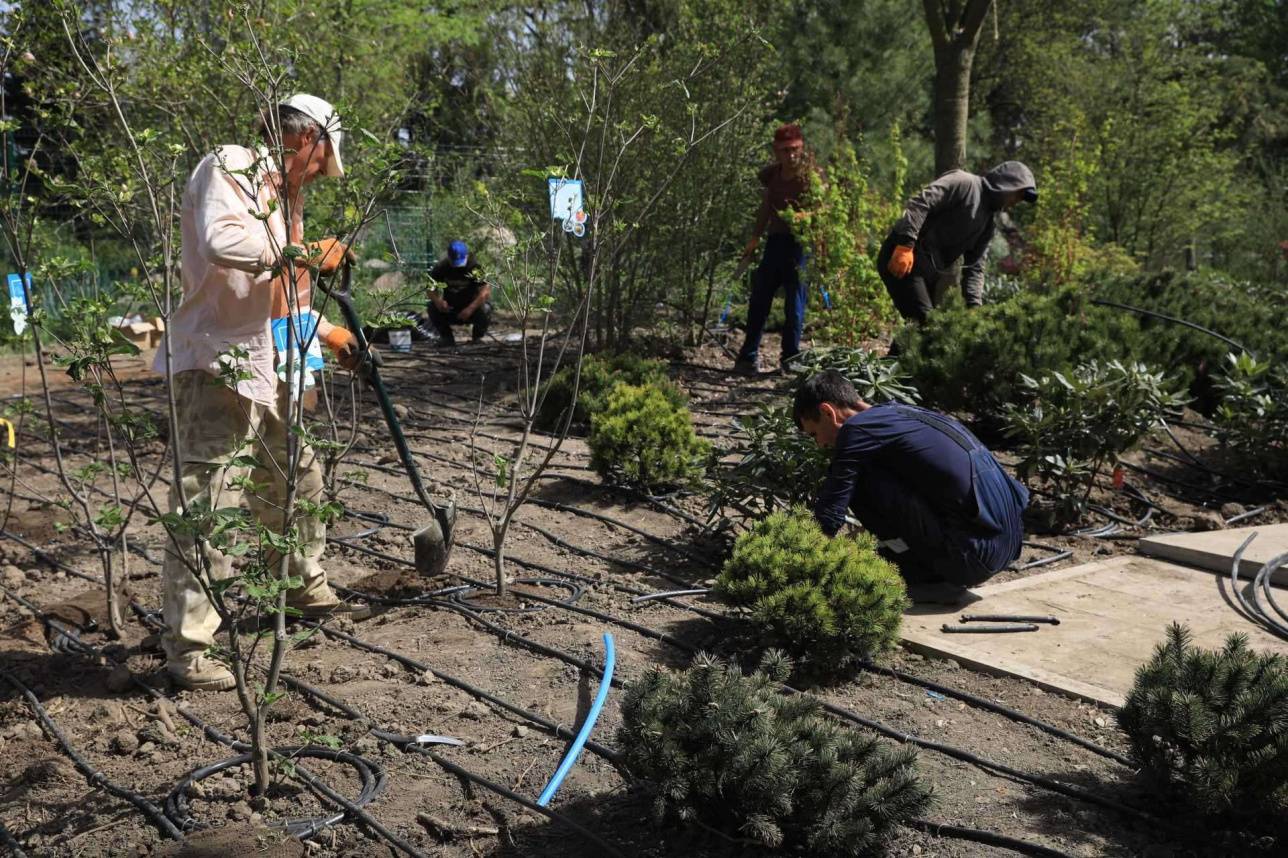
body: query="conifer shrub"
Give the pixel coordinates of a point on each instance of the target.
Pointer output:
(1250, 314)
(972, 360)
(733, 753)
(642, 438)
(598, 375)
(828, 601)
(1213, 724)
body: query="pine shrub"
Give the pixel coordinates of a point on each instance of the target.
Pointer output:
(972, 360)
(598, 375)
(1250, 314)
(733, 753)
(828, 601)
(1213, 724)
(641, 438)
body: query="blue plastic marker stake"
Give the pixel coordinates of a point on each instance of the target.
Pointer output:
(570, 758)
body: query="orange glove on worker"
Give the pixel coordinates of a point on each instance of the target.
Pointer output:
(345, 347)
(327, 254)
(900, 261)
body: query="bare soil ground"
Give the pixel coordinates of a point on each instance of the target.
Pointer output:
(144, 743)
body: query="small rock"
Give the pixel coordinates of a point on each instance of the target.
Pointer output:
(13, 576)
(390, 669)
(109, 711)
(34, 574)
(941, 723)
(401, 411)
(1099, 722)
(147, 747)
(240, 810)
(342, 673)
(475, 711)
(120, 680)
(125, 742)
(916, 850)
(1231, 509)
(520, 731)
(1207, 520)
(196, 790)
(366, 746)
(28, 730)
(426, 678)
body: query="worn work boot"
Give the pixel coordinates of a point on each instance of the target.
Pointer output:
(940, 592)
(746, 367)
(196, 672)
(325, 604)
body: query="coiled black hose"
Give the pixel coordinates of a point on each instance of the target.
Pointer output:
(371, 775)
(93, 775)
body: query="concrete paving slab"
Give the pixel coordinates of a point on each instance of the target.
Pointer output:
(1112, 614)
(1215, 549)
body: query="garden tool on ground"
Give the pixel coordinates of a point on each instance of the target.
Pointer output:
(433, 542)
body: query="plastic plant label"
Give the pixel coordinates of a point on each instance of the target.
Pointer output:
(567, 204)
(18, 302)
(305, 331)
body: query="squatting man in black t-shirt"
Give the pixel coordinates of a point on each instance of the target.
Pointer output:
(463, 298)
(945, 510)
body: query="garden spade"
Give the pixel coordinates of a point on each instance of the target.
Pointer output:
(433, 542)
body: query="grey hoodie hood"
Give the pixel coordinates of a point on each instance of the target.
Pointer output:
(1008, 176)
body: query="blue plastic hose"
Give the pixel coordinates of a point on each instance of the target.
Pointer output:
(574, 751)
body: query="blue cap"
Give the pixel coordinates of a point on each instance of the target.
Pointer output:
(458, 254)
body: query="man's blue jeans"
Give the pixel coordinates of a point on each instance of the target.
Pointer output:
(782, 266)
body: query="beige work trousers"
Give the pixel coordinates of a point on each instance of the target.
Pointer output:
(215, 425)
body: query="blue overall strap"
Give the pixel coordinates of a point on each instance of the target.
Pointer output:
(990, 483)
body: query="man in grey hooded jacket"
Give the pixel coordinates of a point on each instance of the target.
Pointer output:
(951, 219)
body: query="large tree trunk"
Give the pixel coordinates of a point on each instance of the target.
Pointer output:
(954, 32)
(952, 106)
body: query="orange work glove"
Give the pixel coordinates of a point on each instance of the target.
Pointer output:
(345, 347)
(900, 261)
(327, 254)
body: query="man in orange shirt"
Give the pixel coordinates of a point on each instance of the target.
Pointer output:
(236, 271)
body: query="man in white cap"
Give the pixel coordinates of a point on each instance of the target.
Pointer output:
(244, 266)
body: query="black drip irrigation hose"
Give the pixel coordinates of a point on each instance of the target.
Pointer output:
(988, 838)
(1157, 315)
(371, 775)
(1057, 554)
(1000, 709)
(93, 775)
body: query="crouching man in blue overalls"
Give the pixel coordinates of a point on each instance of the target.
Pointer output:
(919, 481)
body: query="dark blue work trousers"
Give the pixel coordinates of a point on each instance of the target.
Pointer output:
(939, 547)
(781, 266)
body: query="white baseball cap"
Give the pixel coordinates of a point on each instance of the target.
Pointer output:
(323, 114)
